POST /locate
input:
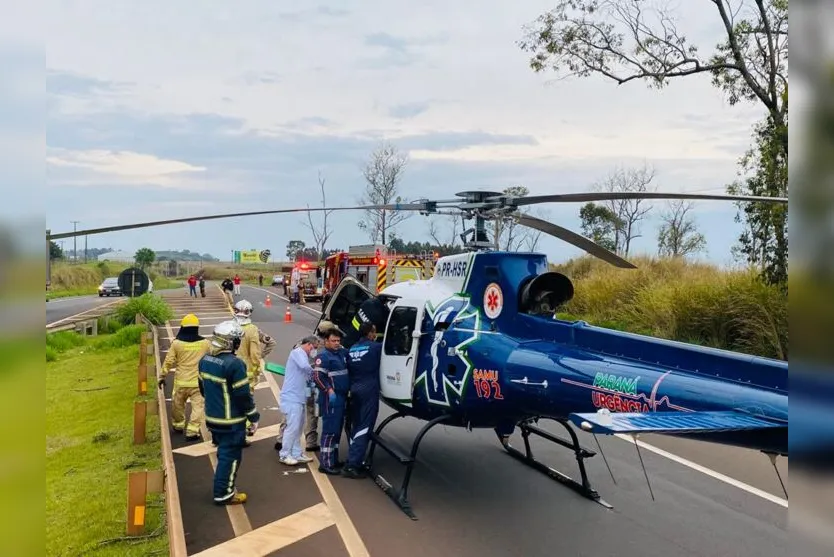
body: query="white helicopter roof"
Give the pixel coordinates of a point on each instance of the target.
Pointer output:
(451, 277)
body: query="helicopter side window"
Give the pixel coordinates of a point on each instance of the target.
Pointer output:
(401, 325)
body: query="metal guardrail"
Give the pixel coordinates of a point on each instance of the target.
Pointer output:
(176, 531)
(85, 322)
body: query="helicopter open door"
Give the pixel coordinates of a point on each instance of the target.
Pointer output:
(343, 305)
(399, 350)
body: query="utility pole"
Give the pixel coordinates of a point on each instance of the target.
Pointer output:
(75, 241)
(85, 248)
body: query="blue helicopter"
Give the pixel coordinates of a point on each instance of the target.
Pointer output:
(478, 345)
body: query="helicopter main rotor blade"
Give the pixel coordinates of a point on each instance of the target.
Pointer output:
(389, 207)
(575, 239)
(608, 196)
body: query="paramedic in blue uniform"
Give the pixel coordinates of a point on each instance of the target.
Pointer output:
(363, 369)
(229, 404)
(331, 377)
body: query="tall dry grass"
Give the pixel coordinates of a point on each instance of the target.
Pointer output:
(678, 300)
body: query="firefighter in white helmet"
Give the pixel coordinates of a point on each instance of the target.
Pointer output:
(254, 345)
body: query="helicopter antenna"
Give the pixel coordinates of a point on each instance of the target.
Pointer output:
(613, 479)
(640, 455)
(772, 457)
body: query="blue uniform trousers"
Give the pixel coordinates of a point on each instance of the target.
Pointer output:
(229, 455)
(332, 423)
(364, 402)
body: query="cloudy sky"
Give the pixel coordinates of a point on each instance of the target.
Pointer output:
(160, 109)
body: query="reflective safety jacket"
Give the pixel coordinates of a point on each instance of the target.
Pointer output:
(330, 371)
(363, 365)
(373, 311)
(250, 349)
(185, 356)
(225, 387)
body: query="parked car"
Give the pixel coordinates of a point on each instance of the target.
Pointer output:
(110, 287)
(278, 280)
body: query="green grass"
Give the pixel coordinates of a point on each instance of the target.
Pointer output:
(676, 300)
(90, 390)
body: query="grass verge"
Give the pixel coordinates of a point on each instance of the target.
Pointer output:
(676, 300)
(91, 387)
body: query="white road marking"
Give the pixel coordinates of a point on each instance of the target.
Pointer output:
(204, 448)
(704, 470)
(275, 535)
(673, 457)
(350, 536)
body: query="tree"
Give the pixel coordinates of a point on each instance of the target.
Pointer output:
(320, 232)
(144, 257)
(599, 224)
(764, 240)
(382, 176)
(294, 247)
(445, 229)
(626, 40)
(678, 235)
(55, 251)
(629, 212)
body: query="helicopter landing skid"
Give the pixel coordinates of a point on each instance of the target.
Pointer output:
(399, 496)
(527, 458)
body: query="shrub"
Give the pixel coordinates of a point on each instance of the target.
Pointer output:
(151, 306)
(108, 325)
(129, 335)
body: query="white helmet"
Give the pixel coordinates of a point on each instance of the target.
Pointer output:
(226, 336)
(243, 311)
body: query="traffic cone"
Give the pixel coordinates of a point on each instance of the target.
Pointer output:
(288, 316)
(268, 302)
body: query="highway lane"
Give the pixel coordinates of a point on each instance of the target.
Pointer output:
(472, 498)
(61, 308)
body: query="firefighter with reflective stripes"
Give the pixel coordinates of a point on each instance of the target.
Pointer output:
(184, 356)
(331, 377)
(363, 369)
(373, 310)
(229, 404)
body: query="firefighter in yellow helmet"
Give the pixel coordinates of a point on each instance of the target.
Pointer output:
(184, 355)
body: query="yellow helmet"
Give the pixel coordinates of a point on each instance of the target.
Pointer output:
(190, 320)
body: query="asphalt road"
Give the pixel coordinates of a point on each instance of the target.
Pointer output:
(472, 498)
(61, 308)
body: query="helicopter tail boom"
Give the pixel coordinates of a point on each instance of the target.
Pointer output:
(672, 422)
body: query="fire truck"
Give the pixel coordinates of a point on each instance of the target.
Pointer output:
(375, 267)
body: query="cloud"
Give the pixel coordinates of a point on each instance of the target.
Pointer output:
(263, 96)
(396, 51)
(105, 167)
(408, 110)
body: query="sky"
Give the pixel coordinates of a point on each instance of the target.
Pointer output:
(160, 109)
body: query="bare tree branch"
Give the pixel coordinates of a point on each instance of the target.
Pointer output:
(626, 40)
(382, 176)
(678, 235)
(323, 232)
(628, 212)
